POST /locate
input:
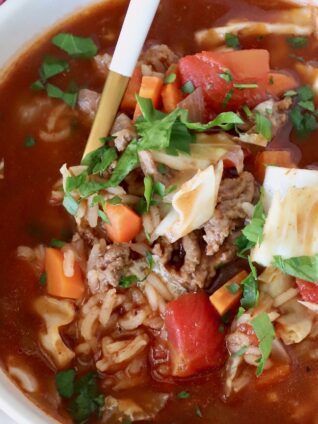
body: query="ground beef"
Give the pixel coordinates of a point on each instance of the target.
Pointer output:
(106, 265)
(230, 212)
(160, 57)
(124, 132)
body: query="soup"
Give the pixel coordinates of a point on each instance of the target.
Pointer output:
(170, 277)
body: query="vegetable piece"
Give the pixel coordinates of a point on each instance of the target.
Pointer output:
(171, 93)
(232, 41)
(308, 291)
(276, 374)
(57, 283)
(265, 333)
(195, 342)
(129, 101)
(272, 157)
(303, 267)
(65, 382)
(68, 97)
(204, 70)
(124, 225)
(297, 42)
(225, 298)
(279, 83)
(80, 47)
(150, 89)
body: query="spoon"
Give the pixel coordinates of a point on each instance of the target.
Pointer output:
(139, 17)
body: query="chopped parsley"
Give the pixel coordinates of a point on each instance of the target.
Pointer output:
(150, 260)
(29, 141)
(297, 42)
(232, 40)
(247, 111)
(233, 288)
(227, 76)
(183, 395)
(170, 78)
(127, 281)
(188, 87)
(65, 383)
(52, 66)
(304, 267)
(303, 113)
(103, 217)
(58, 244)
(43, 278)
(290, 93)
(37, 85)
(228, 97)
(250, 288)
(68, 97)
(78, 47)
(70, 204)
(116, 200)
(263, 126)
(265, 333)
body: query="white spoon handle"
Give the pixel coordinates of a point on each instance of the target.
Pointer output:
(137, 22)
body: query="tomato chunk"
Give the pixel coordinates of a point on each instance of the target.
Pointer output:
(194, 338)
(308, 291)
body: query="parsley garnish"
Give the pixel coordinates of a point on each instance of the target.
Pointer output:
(265, 333)
(304, 267)
(227, 76)
(170, 78)
(103, 216)
(65, 383)
(116, 200)
(263, 126)
(183, 395)
(68, 97)
(43, 278)
(233, 288)
(290, 93)
(70, 204)
(297, 42)
(127, 281)
(99, 160)
(79, 47)
(52, 66)
(227, 97)
(29, 141)
(250, 288)
(188, 87)
(37, 85)
(58, 244)
(232, 41)
(150, 260)
(302, 115)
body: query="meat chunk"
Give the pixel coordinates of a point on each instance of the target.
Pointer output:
(87, 103)
(231, 210)
(160, 57)
(124, 132)
(106, 265)
(102, 62)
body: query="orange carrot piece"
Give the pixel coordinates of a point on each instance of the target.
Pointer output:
(276, 374)
(222, 299)
(150, 89)
(129, 101)
(124, 225)
(57, 283)
(272, 157)
(279, 83)
(171, 93)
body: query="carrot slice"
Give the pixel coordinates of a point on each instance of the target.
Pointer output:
(279, 83)
(124, 225)
(171, 93)
(272, 157)
(274, 375)
(224, 299)
(58, 284)
(129, 101)
(150, 89)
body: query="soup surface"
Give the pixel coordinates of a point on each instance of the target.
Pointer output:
(40, 131)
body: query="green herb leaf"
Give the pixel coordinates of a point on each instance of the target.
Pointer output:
(304, 267)
(37, 85)
(240, 312)
(183, 395)
(148, 191)
(58, 244)
(188, 87)
(116, 200)
(232, 41)
(75, 182)
(227, 97)
(127, 281)
(233, 288)
(254, 230)
(170, 78)
(290, 93)
(297, 42)
(159, 189)
(70, 204)
(65, 383)
(150, 260)
(99, 160)
(250, 292)
(263, 126)
(247, 111)
(98, 200)
(29, 141)
(79, 47)
(52, 66)
(244, 86)
(305, 92)
(103, 216)
(67, 97)
(265, 333)
(243, 245)
(227, 76)
(308, 105)
(43, 278)
(303, 122)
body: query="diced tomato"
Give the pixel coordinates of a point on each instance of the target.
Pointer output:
(308, 291)
(244, 66)
(248, 330)
(194, 336)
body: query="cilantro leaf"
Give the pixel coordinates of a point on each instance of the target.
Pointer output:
(169, 79)
(148, 191)
(67, 97)
(65, 383)
(303, 122)
(253, 232)
(297, 42)
(79, 47)
(250, 292)
(58, 244)
(29, 141)
(183, 395)
(188, 87)
(263, 126)
(228, 97)
(116, 200)
(127, 281)
(103, 216)
(150, 260)
(99, 160)
(70, 204)
(304, 267)
(43, 278)
(227, 76)
(232, 40)
(265, 333)
(52, 66)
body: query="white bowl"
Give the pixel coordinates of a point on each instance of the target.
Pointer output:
(21, 22)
